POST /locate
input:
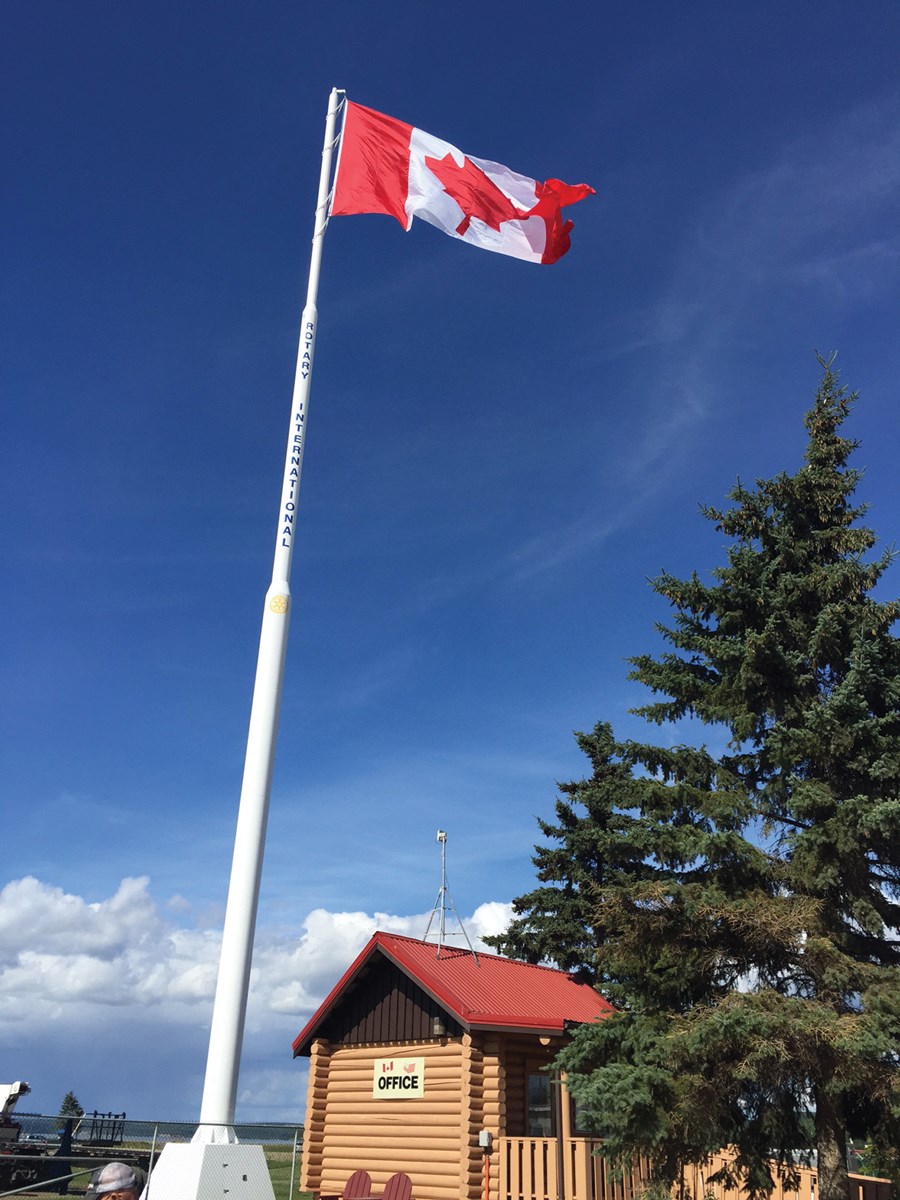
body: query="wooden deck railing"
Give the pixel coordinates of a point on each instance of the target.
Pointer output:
(531, 1169)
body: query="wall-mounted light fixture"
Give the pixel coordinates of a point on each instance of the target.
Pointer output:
(437, 1027)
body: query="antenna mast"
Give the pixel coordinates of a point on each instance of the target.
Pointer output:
(443, 902)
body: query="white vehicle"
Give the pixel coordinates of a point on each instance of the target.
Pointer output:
(10, 1093)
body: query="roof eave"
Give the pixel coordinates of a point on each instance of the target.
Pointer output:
(489, 1026)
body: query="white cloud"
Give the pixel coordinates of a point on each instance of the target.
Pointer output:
(489, 919)
(32, 912)
(117, 973)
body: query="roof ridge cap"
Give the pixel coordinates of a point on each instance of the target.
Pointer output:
(521, 962)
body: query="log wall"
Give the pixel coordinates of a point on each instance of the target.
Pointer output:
(472, 1082)
(489, 1112)
(427, 1138)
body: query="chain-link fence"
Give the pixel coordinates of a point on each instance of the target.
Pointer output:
(56, 1156)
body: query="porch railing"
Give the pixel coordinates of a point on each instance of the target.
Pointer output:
(533, 1169)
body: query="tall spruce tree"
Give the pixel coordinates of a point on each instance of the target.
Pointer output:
(741, 909)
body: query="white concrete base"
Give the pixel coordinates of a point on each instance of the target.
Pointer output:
(197, 1171)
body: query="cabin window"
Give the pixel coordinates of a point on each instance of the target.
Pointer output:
(541, 1110)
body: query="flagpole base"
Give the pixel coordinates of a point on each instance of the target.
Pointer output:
(215, 1135)
(201, 1171)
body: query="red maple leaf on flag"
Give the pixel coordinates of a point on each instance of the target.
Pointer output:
(476, 194)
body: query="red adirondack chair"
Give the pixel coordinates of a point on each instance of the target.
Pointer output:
(358, 1186)
(398, 1187)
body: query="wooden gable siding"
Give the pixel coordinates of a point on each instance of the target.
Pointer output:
(388, 1007)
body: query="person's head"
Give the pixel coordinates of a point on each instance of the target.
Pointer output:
(115, 1181)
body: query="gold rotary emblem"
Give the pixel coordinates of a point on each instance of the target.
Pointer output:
(279, 604)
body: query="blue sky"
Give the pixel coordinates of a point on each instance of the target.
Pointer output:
(499, 457)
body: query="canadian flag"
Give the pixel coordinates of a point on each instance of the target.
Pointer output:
(387, 166)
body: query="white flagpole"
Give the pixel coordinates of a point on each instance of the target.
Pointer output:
(230, 1007)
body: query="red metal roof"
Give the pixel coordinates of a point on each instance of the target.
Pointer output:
(487, 992)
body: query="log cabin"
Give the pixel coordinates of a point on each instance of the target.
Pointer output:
(436, 1061)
